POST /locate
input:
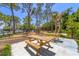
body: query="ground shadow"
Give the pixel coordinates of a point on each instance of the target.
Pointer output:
(29, 51)
(58, 41)
(43, 52)
(46, 52)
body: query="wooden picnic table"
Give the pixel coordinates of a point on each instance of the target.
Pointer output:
(40, 41)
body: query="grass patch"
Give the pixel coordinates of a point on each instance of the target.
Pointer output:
(6, 51)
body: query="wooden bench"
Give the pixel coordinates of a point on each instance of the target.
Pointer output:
(36, 47)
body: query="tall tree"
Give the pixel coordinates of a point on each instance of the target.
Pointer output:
(1, 15)
(71, 28)
(48, 12)
(25, 23)
(12, 7)
(76, 15)
(65, 15)
(38, 15)
(28, 8)
(52, 21)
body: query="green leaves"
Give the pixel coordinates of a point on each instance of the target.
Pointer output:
(72, 26)
(6, 51)
(1, 15)
(6, 28)
(65, 16)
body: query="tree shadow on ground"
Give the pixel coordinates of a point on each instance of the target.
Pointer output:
(43, 52)
(58, 41)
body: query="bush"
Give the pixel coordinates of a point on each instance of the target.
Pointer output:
(6, 51)
(77, 34)
(77, 42)
(1, 36)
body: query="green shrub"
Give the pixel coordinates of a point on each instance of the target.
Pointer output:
(77, 42)
(77, 34)
(1, 36)
(6, 51)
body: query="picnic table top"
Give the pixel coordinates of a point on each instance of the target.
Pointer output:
(44, 38)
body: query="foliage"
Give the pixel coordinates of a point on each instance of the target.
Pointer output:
(28, 9)
(6, 28)
(6, 51)
(65, 15)
(77, 31)
(73, 25)
(12, 7)
(46, 26)
(45, 17)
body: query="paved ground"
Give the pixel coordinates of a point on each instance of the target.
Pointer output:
(67, 48)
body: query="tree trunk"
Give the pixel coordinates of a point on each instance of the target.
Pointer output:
(13, 20)
(72, 33)
(3, 32)
(47, 22)
(28, 22)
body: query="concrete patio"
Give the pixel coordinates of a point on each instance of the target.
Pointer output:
(67, 48)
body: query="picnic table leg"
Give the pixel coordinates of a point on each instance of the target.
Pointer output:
(38, 52)
(49, 46)
(27, 46)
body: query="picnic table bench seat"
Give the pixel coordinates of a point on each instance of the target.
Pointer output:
(33, 45)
